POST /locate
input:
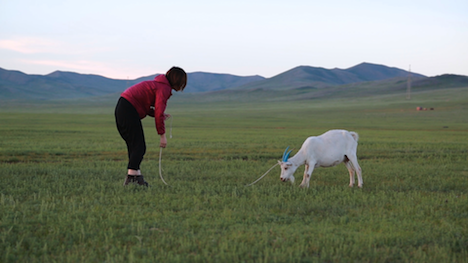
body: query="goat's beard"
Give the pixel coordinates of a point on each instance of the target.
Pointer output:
(291, 178)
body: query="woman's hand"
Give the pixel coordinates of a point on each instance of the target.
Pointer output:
(166, 116)
(163, 141)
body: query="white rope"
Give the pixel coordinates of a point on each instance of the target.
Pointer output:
(170, 130)
(263, 175)
(160, 153)
(160, 168)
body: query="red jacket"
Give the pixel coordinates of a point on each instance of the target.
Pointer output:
(151, 93)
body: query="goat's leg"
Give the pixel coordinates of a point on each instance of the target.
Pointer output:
(307, 173)
(357, 168)
(304, 179)
(351, 173)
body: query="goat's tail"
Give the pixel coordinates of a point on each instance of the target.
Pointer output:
(355, 135)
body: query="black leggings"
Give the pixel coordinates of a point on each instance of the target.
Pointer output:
(130, 128)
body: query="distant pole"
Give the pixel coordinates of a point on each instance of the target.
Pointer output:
(408, 85)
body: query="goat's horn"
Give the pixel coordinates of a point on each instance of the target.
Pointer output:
(285, 151)
(286, 154)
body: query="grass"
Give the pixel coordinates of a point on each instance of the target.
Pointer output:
(63, 165)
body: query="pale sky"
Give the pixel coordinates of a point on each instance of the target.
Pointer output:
(131, 39)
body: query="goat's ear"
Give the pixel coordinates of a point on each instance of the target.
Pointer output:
(279, 162)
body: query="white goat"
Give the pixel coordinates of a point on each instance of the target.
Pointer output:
(326, 150)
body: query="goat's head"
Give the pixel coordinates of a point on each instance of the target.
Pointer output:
(287, 168)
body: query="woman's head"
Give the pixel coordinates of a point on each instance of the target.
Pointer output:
(177, 78)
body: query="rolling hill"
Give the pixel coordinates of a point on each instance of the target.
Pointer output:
(313, 77)
(56, 85)
(206, 82)
(66, 85)
(303, 82)
(365, 89)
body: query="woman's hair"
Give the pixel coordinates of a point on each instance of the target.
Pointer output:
(177, 78)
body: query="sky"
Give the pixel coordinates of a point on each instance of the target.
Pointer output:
(130, 39)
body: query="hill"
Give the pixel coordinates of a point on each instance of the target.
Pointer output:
(303, 82)
(314, 77)
(65, 85)
(363, 89)
(203, 81)
(56, 85)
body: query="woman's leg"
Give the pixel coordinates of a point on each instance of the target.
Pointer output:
(130, 128)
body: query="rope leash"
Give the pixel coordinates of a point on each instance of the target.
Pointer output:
(160, 168)
(160, 154)
(170, 130)
(170, 136)
(263, 175)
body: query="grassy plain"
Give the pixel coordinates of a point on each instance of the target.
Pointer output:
(63, 164)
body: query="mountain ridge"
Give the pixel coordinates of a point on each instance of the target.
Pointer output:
(318, 77)
(70, 85)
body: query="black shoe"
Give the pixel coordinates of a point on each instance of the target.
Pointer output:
(140, 180)
(135, 179)
(130, 179)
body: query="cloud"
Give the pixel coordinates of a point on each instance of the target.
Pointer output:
(109, 70)
(79, 65)
(37, 45)
(75, 65)
(28, 45)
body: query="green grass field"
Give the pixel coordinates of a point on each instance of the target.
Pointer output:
(63, 164)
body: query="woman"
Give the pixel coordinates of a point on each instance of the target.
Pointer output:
(138, 101)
